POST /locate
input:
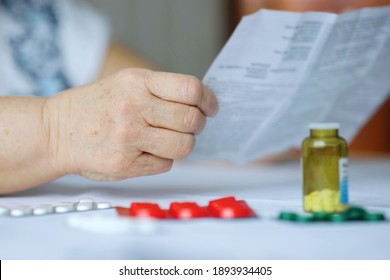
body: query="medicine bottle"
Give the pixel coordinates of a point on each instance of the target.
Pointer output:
(325, 166)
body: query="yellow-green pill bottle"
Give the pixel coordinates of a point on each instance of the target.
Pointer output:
(325, 169)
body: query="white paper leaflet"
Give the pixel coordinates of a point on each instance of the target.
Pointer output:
(281, 71)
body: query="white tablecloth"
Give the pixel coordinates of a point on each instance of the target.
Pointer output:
(268, 189)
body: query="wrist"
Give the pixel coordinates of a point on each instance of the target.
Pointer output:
(55, 126)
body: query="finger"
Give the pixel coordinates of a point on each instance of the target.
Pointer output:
(182, 89)
(175, 116)
(147, 164)
(166, 143)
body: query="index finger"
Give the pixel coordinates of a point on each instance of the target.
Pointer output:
(183, 89)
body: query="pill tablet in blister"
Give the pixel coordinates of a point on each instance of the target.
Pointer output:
(87, 200)
(64, 207)
(4, 211)
(103, 205)
(20, 211)
(43, 210)
(84, 206)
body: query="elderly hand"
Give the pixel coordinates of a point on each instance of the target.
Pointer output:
(133, 123)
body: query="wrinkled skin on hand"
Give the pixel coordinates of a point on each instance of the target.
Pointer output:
(133, 123)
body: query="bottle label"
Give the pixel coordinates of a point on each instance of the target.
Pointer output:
(343, 180)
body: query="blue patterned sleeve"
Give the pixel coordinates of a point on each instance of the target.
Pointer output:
(47, 46)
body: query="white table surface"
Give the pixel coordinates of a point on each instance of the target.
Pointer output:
(268, 189)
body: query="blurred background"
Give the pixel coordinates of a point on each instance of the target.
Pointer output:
(177, 35)
(185, 36)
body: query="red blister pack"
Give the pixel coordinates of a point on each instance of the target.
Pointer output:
(223, 208)
(229, 208)
(146, 210)
(187, 210)
(122, 211)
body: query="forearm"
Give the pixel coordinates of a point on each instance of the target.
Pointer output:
(132, 123)
(25, 159)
